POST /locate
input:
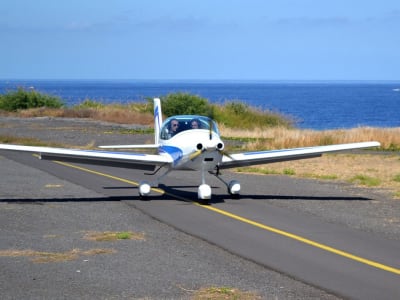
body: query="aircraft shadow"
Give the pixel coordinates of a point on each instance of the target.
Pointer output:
(310, 198)
(176, 194)
(54, 200)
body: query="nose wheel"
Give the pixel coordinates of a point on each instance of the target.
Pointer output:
(204, 192)
(144, 189)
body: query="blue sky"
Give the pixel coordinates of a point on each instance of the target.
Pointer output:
(204, 39)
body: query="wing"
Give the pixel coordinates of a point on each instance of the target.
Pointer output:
(263, 157)
(144, 146)
(109, 158)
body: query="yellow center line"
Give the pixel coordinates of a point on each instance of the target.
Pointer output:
(304, 240)
(253, 223)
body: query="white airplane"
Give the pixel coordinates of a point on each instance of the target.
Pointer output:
(182, 146)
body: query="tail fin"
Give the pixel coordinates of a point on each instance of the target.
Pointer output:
(157, 120)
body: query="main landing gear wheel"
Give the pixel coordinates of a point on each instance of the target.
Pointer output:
(144, 190)
(234, 188)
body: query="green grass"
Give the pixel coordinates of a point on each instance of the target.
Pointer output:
(396, 178)
(236, 114)
(132, 131)
(125, 235)
(365, 180)
(322, 177)
(107, 236)
(289, 172)
(263, 171)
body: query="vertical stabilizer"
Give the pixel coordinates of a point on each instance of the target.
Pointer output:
(157, 120)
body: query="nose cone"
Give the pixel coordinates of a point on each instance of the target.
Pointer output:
(214, 144)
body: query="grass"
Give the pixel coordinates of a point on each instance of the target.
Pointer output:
(281, 138)
(362, 179)
(47, 257)
(27, 141)
(228, 293)
(288, 171)
(7, 139)
(107, 236)
(396, 178)
(237, 115)
(368, 170)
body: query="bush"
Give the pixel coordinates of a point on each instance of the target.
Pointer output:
(23, 99)
(236, 114)
(185, 104)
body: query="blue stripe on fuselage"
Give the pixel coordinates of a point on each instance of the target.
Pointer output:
(175, 152)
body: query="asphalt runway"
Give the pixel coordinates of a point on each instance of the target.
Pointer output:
(347, 262)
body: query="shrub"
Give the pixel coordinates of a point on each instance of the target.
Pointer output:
(23, 99)
(185, 104)
(236, 114)
(88, 103)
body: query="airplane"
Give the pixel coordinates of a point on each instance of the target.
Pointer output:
(181, 146)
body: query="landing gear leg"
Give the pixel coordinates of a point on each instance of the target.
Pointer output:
(233, 186)
(145, 187)
(204, 191)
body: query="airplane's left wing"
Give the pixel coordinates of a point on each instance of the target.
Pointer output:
(110, 158)
(270, 156)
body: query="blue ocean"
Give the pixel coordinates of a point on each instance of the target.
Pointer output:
(315, 104)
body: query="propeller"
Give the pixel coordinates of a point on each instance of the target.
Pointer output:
(201, 148)
(195, 154)
(210, 128)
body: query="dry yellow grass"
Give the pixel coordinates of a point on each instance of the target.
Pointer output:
(46, 257)
(279, 138)
(227, 293)
(384, 170)
(115, 114)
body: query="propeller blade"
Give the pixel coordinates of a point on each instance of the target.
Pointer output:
(210, 127)
(195, 154)
(226, 154)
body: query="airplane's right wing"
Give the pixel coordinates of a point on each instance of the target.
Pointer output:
(132, 160)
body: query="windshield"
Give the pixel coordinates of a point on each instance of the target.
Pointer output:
(177, 124)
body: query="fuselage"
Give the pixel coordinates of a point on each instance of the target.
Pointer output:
(191, 148)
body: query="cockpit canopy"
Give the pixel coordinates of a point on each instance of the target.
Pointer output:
(186, 122)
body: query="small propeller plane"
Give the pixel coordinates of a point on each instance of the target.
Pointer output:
(183, 142)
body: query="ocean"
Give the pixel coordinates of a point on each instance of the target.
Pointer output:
(316, 105)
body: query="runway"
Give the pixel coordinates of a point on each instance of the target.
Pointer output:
(347, 262)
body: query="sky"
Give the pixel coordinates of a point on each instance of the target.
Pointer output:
(200, 39)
